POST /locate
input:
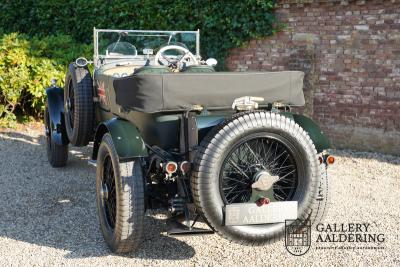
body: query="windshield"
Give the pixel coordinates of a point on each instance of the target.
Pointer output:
(117, 44)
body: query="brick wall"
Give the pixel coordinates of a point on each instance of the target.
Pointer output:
(350, 52)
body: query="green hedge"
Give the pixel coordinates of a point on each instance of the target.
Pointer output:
(223, 24)
(56, 32)
(27, 66)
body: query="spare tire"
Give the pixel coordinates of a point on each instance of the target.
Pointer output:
(78, 102)
(232, 157)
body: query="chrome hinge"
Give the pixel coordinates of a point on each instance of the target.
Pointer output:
(246, 103)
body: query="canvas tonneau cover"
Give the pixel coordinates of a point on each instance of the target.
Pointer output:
(152, 93)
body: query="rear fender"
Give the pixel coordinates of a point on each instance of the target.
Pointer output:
(55, 105)
(320, 140)
(126, 139)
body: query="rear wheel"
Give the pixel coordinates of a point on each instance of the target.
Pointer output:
(120, 199)
(255, 147)
(57, 155)
(79, 111)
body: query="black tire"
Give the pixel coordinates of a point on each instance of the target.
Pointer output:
(121, 211)
(57, 155)
(79, 110)
(207, 186)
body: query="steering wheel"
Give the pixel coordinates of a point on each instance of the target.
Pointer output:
(175, 62)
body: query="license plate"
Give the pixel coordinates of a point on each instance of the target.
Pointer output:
(250, 213)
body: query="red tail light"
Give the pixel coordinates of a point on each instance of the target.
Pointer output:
(170, 167)
(185, 166)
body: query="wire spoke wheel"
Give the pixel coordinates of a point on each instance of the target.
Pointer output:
(78, 105)
(252, 156)
(108, 192)
(70, 104)
(120, 198)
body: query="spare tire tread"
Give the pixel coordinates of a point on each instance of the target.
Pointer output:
(210, 151)
(82, 132)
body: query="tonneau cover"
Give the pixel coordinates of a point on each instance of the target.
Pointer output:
(180, 91)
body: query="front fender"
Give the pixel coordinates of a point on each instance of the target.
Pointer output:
(55, 105)
(320, 140)
(126, 139)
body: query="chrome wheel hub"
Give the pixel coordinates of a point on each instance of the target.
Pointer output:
(264, 181)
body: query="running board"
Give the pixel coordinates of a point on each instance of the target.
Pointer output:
(92, 162)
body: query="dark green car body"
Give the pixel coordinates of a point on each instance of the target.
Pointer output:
(176, 134)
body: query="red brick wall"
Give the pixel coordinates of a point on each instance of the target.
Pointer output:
(350, 52)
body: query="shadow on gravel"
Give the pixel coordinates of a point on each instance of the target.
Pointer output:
(156, 245)
(56, 208)
(19, 137)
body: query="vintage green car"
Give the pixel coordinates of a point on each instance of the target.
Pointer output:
(169, 131)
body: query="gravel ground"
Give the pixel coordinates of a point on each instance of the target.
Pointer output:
(48, 216)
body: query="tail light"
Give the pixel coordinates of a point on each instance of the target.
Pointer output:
(327, 159)
(185, 166)
(330, 160)
(170, 167)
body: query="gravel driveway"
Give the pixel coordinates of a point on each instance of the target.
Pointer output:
(48, 216)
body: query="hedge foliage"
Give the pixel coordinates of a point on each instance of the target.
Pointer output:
(27, 67)
(223, 24)
(60, 31)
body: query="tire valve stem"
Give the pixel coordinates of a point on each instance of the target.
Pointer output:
(262, 201)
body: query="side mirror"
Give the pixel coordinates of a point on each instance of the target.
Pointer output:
(211, 62)
(81, 62)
